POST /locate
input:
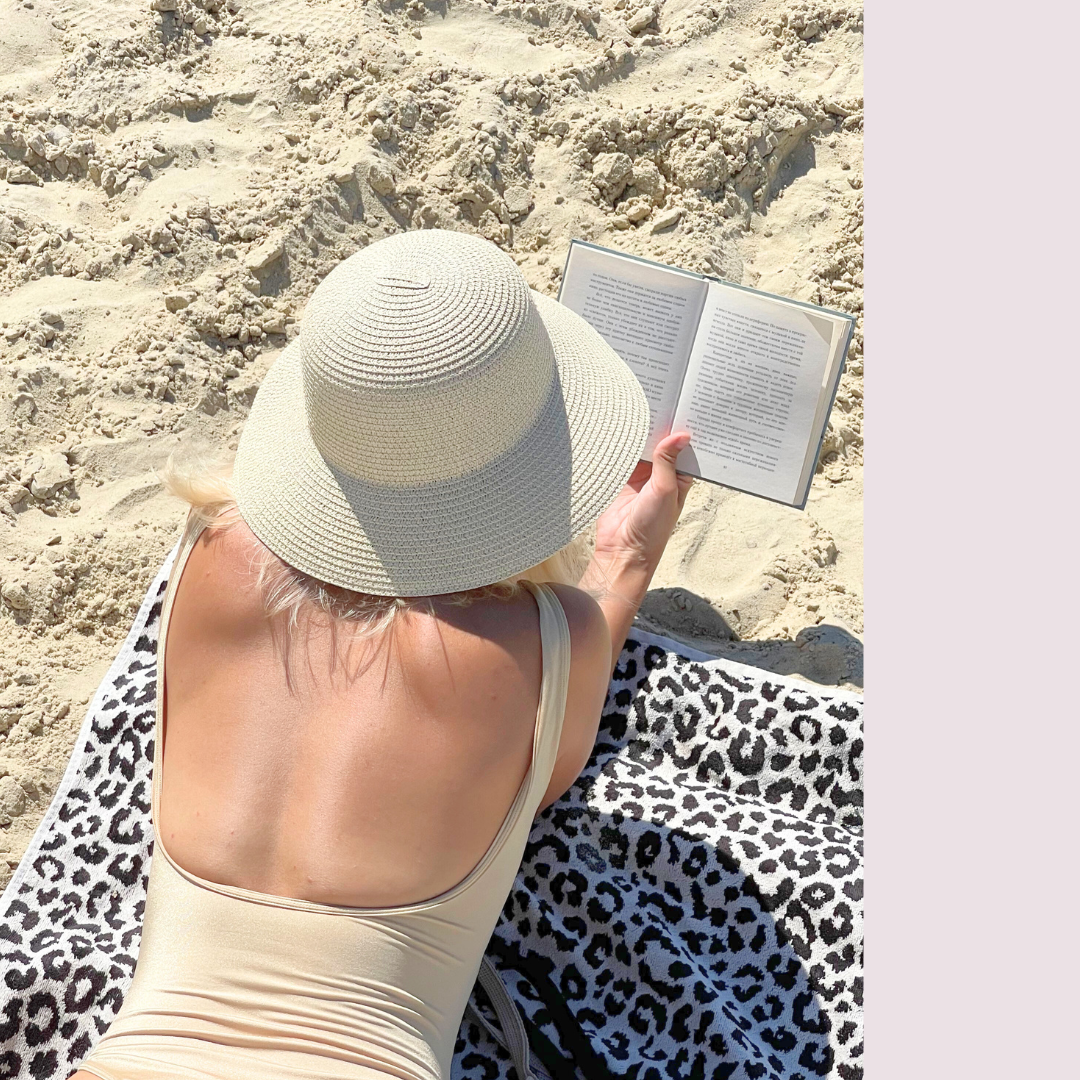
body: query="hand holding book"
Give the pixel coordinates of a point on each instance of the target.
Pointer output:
(634, 530)
(632, 533)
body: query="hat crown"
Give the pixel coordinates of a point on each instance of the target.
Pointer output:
(413, 337)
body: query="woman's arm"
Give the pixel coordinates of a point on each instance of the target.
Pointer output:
(630, 538)
(622, 586)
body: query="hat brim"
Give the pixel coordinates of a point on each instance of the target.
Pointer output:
(455, 534)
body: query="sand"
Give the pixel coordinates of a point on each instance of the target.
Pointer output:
(176, 176)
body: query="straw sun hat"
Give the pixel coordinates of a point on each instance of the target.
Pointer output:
(437, 425)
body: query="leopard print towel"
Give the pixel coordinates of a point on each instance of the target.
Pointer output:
(692, 908)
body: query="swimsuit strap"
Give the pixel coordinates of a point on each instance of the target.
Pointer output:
(193, 529)
(555, 649)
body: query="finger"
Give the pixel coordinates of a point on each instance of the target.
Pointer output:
(664, 477)
(670, 446)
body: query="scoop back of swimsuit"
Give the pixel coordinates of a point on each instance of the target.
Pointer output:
(233, 984)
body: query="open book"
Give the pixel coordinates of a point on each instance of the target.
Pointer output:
(750, 375)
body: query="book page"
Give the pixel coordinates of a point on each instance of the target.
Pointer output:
(837, 351)
(752, 391)
(647, 314)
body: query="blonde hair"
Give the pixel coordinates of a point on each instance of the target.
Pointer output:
(291, 596)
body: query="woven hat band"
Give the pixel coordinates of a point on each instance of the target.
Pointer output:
(425, 430)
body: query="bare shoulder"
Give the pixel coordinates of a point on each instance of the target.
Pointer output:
(219, 574)
(588, 627)
(234, 548)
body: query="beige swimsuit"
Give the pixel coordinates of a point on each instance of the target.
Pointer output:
(238, 985)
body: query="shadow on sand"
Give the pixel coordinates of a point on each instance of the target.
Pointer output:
(825, 654)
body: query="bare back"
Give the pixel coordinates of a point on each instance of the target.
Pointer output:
(380, 780)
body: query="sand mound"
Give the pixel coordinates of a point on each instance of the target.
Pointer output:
(177, 175)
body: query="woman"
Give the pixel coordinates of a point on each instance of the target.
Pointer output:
(379, 668)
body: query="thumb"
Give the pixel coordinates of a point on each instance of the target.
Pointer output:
(664, 476)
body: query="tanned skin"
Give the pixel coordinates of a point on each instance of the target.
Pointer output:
(377, 774)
